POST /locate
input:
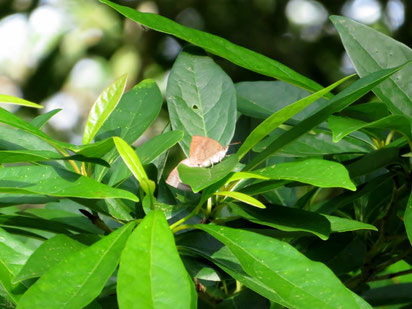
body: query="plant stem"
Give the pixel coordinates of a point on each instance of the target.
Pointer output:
(192, 214)
(390, 276)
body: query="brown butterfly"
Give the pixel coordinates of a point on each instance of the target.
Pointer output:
(204, 152)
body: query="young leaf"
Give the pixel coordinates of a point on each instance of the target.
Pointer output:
(147, 152)
(79, 278)
(342, 126)
(47, 180)
(271, 123)
(135, 112)
(199, 178)
(242, 197)
(14, 100)
(201, 99)
(317, 172)
(50, 253)
(42, 119)
(371, 51)
(133, 163)
(223, 48)
(103, 107)
(336, 104)
(151, 273)
(299, 282)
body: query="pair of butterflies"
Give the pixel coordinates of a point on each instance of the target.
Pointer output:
(204, 152)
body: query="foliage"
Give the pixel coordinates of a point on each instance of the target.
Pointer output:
(312, 210)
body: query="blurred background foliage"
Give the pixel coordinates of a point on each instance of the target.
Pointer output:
(63, 53)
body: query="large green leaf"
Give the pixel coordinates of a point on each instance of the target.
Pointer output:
(286, 219)
(371, 51)
(151, 273)
(79, 278)
(47, 180)
(50, 253)
(135, 112)
(148, 152)
(408, 219)
(202, 243)
(201, 99)
(349, 95)
(318, 142)
(299, 282)
(15, 156)
(14, 100)
(261, 99)
(137, 109)
(342, 126)
(218, 46)
(271, 123)
(12, 120)
(199, 178)
(13, 255)
(103, 107)
(317, 172)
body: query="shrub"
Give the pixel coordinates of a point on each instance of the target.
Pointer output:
(309, 211)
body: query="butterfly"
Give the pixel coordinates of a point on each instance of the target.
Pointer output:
(204, 152)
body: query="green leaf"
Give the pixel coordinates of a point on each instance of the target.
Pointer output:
(47, 180)
(349, 95)
(245, 299)
(389, 295)
(135, 112)
(148, 152)
(201, 99)
(75, 220)
(242, 197)
(271, 123)
(208, 247)
(371, 51)
(299, 282)
(78, 279)
(317, 172)
(408, 219)
(318, 142)
(14, 100)
(13, 255)
(223, 48)
(103, 107)
(135, 166)
(342, 126)
(16, 122)
(15, 156)
(151, 273)
(42, 119)
(261, 99)
(50, 253)
(199, 178)
(36, 223)
(286, 219)
(338, 224)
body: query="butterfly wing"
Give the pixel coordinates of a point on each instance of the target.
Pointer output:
(205, 151)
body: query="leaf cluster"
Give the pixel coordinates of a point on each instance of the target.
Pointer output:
(311, 210)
